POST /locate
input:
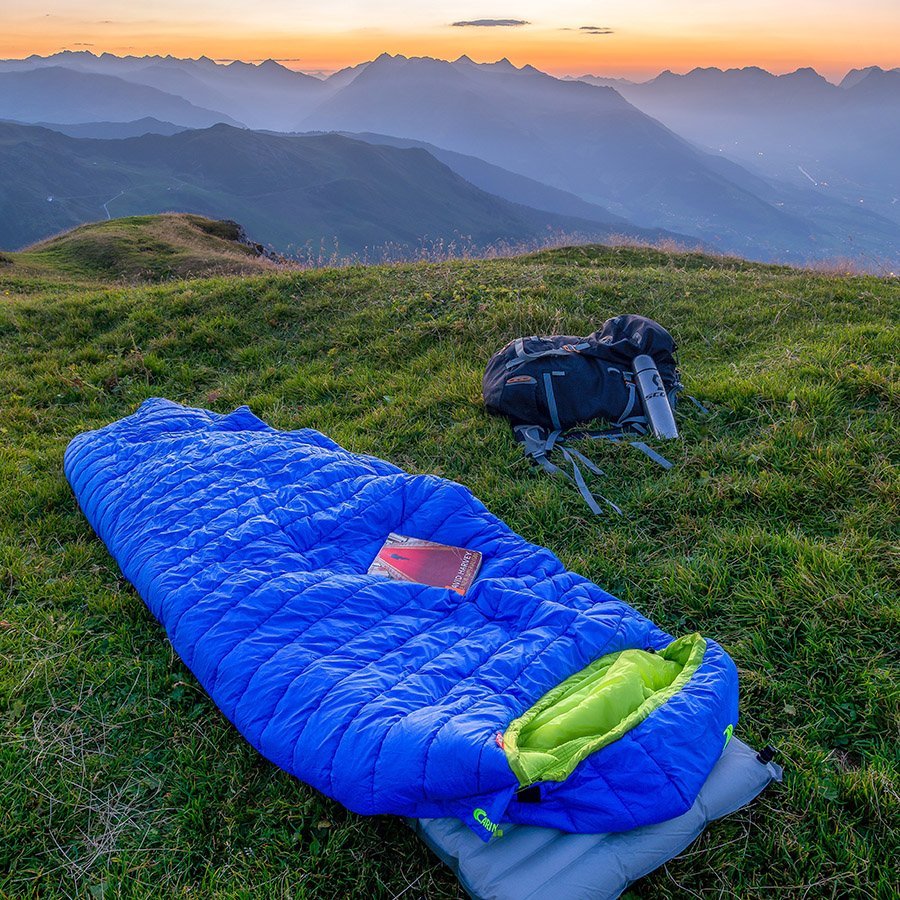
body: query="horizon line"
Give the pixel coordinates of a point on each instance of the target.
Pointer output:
(324, 73)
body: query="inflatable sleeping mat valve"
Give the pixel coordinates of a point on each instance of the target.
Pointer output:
(531, 863)
(251, 546)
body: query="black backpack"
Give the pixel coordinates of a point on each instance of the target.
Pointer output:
(547, 386)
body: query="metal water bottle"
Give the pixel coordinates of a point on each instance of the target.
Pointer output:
(653, 395)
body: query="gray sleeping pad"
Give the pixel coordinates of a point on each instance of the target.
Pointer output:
(529, 862)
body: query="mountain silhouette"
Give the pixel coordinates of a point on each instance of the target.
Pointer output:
(264, 95)
(772, 167)
(506, 184)
(842, 140)
(289, 191)
(55, 94)
(583, 139)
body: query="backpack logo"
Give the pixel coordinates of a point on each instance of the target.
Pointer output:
(521, 379)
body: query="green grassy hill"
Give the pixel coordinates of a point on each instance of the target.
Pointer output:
(773, 534)
(143, 248)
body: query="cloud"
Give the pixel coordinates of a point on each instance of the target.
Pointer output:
(491, 23)
(81, 44)
(595, 29)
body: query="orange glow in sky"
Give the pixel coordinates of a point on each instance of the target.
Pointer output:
(634, 38)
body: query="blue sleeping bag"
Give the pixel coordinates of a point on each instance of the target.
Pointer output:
(536, 698)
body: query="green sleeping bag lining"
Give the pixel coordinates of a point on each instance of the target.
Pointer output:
(595, 707)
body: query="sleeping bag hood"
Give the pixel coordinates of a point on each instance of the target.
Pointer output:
(536, 698)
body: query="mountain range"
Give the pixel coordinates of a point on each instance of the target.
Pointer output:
(590, 141)
(56, 94)
(842, 140)
(291, 192)
(506, 184)
(266, 95)
(677, 154)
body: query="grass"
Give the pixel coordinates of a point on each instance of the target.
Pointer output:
(775, 534)
(145, 248)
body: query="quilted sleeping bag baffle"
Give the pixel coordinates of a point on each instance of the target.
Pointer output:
(536, 698)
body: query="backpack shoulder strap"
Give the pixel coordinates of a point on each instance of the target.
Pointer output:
(537, 443)
(658, 458)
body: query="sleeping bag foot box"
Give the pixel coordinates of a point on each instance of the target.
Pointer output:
(537, 698)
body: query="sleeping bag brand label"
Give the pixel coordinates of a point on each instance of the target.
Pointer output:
(426, 562)
(729, 731)
(481, 817)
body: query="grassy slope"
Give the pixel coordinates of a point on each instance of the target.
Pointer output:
(119, 778)
(142, 248)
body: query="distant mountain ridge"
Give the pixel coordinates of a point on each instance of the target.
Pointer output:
(843, 140)
(265, 95)
(110, 130)
(852, 77)
(289, 191)
(506, 184)
(773, 167)
(56, 94)
(590, 141)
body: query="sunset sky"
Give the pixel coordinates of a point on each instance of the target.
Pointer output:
(618, 37)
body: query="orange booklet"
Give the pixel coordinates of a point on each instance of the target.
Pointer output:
(440, 565)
